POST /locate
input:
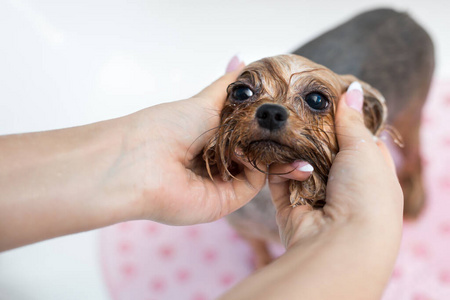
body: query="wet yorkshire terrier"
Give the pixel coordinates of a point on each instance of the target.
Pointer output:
(279, 110)
(282, 109)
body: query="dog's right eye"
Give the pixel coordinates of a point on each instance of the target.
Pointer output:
(316, 101)
(241, 93)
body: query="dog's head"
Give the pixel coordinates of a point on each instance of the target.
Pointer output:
(282, 109)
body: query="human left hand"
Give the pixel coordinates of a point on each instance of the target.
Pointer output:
(161, 143)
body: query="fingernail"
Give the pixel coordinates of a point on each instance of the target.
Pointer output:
(354, 96)
(303, 166)
(238, 151)
(234, 63)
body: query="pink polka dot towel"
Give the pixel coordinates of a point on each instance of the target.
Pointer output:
(150, 261)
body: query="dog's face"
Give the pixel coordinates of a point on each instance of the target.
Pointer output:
(282, 109)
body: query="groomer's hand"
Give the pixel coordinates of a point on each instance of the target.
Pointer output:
(346, 250)
(135, 167)
(362, 187)
(165, 140)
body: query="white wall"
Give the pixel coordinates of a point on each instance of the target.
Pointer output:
(72, 62)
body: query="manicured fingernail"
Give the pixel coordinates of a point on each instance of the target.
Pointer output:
(234, 63)
(354, 96)
(238, 151)
(303, 166)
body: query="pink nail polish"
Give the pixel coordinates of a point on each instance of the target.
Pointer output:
(233, 64)
(354, 97)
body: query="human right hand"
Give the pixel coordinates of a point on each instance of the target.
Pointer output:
(362, 190)
(346, 250)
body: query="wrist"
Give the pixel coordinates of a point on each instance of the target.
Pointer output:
(135, 178)
(118, 188)
(346, 254)
(334, 262)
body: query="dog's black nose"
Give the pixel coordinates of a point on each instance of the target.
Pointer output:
(271, 116)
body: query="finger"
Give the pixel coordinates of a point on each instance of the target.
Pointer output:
(279, 185)
(235, 63)
(386, 154)
(207, 106)
(247, 184)
(235, 194)
(350, 128)
(280, 194)
(280, 197)
(298, 170)
(216, 93)
(239, 158)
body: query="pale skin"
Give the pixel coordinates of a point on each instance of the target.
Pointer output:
(348, 249)
(137, 167)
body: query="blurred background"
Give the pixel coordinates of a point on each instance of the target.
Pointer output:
(68, 63)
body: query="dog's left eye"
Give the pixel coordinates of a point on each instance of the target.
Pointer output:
(242, 93)
(316, 101)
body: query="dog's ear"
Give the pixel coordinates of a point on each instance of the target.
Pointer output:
(374, 108)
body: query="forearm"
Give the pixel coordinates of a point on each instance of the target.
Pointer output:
(341, 263)
(56, 182)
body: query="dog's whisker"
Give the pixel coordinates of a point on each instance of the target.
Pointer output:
(395, 135)
(310, 134)
(197, 138)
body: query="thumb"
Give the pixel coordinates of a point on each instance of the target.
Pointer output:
(350, 128)
(216, 92)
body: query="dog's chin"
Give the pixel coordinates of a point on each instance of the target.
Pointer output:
(267, 152)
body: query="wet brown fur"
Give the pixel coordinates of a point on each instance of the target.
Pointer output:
(308, 135)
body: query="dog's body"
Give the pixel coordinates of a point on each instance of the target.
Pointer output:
(272, 114)
(394, 54)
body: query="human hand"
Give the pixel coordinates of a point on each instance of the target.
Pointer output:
(134, 167)
(362, 190)
(346, 250)
(162, 143)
